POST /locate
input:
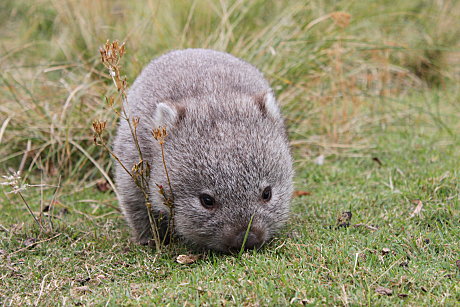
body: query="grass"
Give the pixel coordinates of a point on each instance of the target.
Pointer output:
(373, 88)
(313, 262)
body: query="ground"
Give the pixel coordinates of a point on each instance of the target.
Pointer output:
(390, 252)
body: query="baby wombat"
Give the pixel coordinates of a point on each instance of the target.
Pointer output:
(226, 151)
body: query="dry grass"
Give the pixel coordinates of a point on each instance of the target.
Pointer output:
(333, 66)
(111, 55)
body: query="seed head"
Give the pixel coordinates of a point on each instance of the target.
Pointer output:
(135, 121)
(159, 134)
(111, 53)
(14, 181)
(110, 101)
(99, 126)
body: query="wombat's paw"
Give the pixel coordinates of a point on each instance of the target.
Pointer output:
(142, 238)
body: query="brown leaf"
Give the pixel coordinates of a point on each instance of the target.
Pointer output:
(187, 259)
(344, 219)
(301, 193)
(383, 291)
(377, 160)
(458, 264)
(51, 205)
(385, 251)
(102, 185)
(417, 209)
(403, 295)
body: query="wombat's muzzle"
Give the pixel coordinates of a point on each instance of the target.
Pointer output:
(234, 240)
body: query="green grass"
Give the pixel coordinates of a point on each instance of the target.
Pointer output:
(313, 262)
(377, 97)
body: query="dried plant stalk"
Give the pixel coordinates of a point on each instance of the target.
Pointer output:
(160, 134)
(17, 186)
(111, 54)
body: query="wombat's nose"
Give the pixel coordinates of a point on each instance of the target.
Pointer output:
(255, 239)
(252, 241)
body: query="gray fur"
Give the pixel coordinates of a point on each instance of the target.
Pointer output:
(226, 138)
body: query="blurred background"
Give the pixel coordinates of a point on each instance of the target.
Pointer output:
(339, 69)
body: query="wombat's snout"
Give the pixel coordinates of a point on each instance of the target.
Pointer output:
(234, 240)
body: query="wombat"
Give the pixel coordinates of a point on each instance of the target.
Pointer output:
(226, 151)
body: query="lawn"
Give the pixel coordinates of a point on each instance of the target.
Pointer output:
(410, 254)
(370, 95)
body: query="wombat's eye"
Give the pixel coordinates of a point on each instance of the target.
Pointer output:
(267, 194)
(207, 201)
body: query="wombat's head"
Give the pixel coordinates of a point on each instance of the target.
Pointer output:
(229, 162)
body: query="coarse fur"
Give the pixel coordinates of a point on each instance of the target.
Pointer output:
(226, 138)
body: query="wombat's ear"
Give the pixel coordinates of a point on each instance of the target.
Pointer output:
(168, 115)
(268, 105)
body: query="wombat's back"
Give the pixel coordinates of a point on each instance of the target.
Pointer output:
(194, 72)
